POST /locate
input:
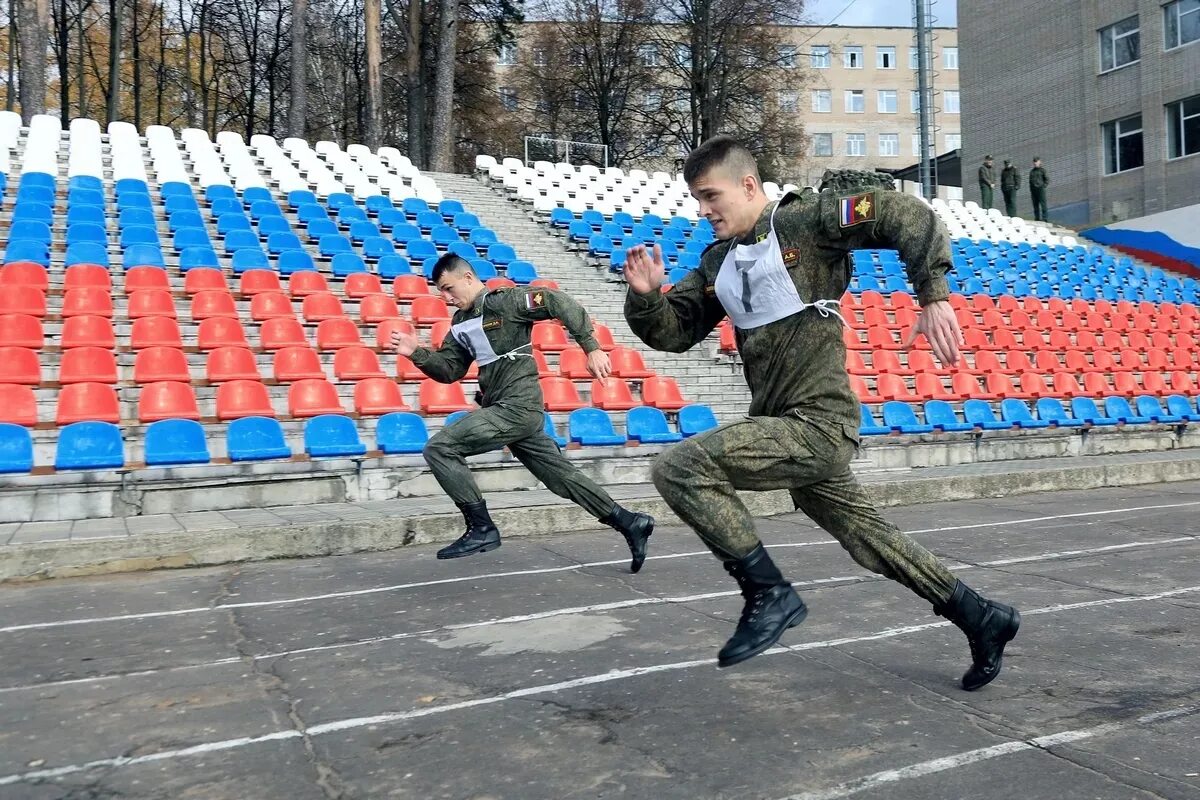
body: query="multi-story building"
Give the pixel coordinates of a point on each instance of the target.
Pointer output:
(1106, 92)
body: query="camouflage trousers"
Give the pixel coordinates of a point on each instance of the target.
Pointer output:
(522, 431)
(699, 478)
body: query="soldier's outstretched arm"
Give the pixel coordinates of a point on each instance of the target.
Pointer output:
(447, 364)
(675, 321)
(538, 304)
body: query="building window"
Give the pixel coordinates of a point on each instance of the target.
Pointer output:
(914, 101)
(1120, 44)
(950, 57)
(887, 101)
(852, 57)
(1182, 22)
(507, 55)
(822, 101)
(789, 101)
(822, 144)
(885, 57)
(787, 56)
(951, 104)
(818, 57)
(683, 56)
(508, 98)
(1122, 144)
(649, 55)
(653, 100)
(575, 57)
(855, 101)
(580, 99)
(953, 141)
(856, 144)
(683, 102)
(889, 144)
(1183, 128)
(913, 60)
(539, 57)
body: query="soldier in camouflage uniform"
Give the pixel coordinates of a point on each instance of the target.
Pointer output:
(778, 271)
(493, 329)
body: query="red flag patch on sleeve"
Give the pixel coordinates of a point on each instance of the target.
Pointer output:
(856, 209)
(535, 300)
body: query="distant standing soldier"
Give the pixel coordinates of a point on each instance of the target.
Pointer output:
(1038, 181)
(987, 182)
(1010, 181)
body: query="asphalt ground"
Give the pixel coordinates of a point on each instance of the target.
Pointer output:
(545, 670)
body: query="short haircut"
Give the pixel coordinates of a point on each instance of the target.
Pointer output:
(449, 263)
(720, 151)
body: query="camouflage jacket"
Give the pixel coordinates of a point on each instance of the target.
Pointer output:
(797, 365)
(508, 317)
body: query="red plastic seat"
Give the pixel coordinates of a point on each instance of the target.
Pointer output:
(1181, 383)
(256, 281)
(905, 317)
(441, 398)
(204, 279)
(167, 400)
(23, 300)
(139, 278)
(850, 338)
(279, 332)
(1096, 384)
(1153, 383)
(151, 303)
(1112, 341)
(1046, 320)
(376, 308)
(297, 364)
(993, 320)
(549, 337)
(437, 333)
(603, 336)
(410, 287)
(91, 301)
(1156, 359)
(20, 365)
(87, 365)
(361, 284)
(155, 364)
(313, 397)
(923, 361)
(1046, 362)
(153, 332)
(572, 363)
(876, 317)
(1182, 358)
(1102, 361)
(612, 394)
(905, 300)
(855, 364)
(892, 387)
(375, 396)
(1033, 385)
(210, 304)
(976, 339)
(1130, 360)
(543, 367)
(882, 339)
(870, 298)
(1065, 385)
(231, 364)
(428, 310)
(888, 361)
(1076, 361)
(1031, 305)
(966, 386)
(545, 283)
(559, 394)
(1161, 340)
(308, 282)
(1119, 323)
(336, 333)
(1057, 305)
(1070, 321)
(930, 387)
(321, 306)
(1019, 320)
(1006, 304)
(865, 395)
(727, 342)
(1125, 384)
(500, 282)
(221, 332)
(1016, 362)
(269, 305)
(18, 405)
(662, 393)
(355, 363)
(406, 370)
(986, 361)
(25, 273)
(80, 402)
(1004, 340)
(628, 363)
(22, 330)
(383, 332)
(1186, 324)
(1001, 386)
(243, 399)
(1060, 340)
(79, 276)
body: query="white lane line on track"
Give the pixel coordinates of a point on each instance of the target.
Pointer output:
(389, 718)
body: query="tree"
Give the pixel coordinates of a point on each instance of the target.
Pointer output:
(298, 105)
(32, 33)
(114, 60)
(373, 32)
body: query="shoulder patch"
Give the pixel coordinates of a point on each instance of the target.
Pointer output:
(856, 209)
(535, 299)
(492, 324)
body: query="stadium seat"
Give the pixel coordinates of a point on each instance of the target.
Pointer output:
(1085, 410)
(201, 279)
(1180, 406)
(294, 363)
(321, 306)
(442, 398)
(592, 427)
(215, 303)
(979, 413)
(231, 364)
(559, 394)
(1118, 408)
(867, 426)
(393, 267)
(663, 393)
(1149, 406)
(16, 449)
(376, 396)
(311, 397)
(401, 432)
(81, 276)
(697, 418)
(167, 400)
(332, 436)
(1016, 412)
(25, 274)
(375, 308)
(20, 365)
(81, 402)
(220, 332)
(88, 365)
(153, 364)
(23, 330)
(89, 445)
(254, 438)
(572, 363)
(243, 399)
(87, 301)
(344, 264)
(254, 282)
(628, 363)
(942, 417)
(151, 303)
(1050, 409)
(649, 426)
(549, 337)
(930, 387)
(410, 287)
(336, 333)
(427, 310)
(612, 394)
(23, 300)
(172, 442)
(271, 305)
(302, 284)
(901, 418)
(18, 405)
(355, 363)
(603, 336)
(361, 284)
(294, 262)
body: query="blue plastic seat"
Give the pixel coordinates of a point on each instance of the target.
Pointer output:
(249, 258)
(257, 194)
(443, 235)
(292, 261)
(579, 231)
(233, 222)
(549, 429)
(191, 237)
(344, 264)
(421, 249)
(33, 230)
(1180, 406)
(175, 189)
(689, 260)
(465, 222)
(1119, 409)
(617, 260)
(311, 211)
(1051, 410)
(390, 218)
(138, 235)
(278, 242)
(332, 436)
(868, 426)
(463, 250)
(393, 266)
(87, 182)
(89, 445)
(453, 417)
(241, 240)
(561, 218)
(1016, 412)
(501, 254)
(340, 200)
(92, 215)
(900, 417)
(33, 211)
(592, 427)
(348, 215)
(401, 432)
(483, 269)
(696, 419)
(219, 192)
(406, 232)
(428, 220)
(377, 247)
(331, 245)
(521, 272)
(181, 204)
(360, 231)
(482, 237)
(413, 206)
(143, 255)
(654, 222)
(194, 257)
(301, 197)
(593, 218)
(27, 250)
(1085, 409)
(980, 414)
(449, 209)
(649, 426)
(16, 449)
(87, 253)
(378, 203)
(264, 209)
(176, 441)
(599, 245)
(35, 194)
(131, 217)
(255, 439)
(942, 417)
(271, 225)
(676, 275)
(318, 228)
(1148, 406)
(682, 223)
(184, 219)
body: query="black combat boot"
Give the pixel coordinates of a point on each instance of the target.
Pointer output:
(988, 625)
(482, 534)
(636, 527)
(772, 606)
